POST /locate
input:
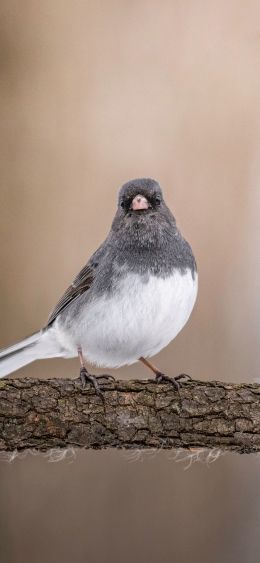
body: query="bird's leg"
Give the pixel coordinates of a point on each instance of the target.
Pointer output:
(160, 377)
(85, 376)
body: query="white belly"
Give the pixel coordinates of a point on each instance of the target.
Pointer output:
(140, 321)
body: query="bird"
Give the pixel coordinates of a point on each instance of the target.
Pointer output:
(129, 301)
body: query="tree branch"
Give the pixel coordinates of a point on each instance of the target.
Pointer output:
(58, 413)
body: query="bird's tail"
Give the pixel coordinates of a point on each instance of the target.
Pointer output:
(39, 345)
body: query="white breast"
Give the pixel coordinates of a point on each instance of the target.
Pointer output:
(140, 320)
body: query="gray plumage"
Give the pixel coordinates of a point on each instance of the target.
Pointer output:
(141, 246)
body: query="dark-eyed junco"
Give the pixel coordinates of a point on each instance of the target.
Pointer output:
(131, 299)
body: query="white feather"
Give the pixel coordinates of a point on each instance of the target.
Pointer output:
(139, 320)
(40, 345)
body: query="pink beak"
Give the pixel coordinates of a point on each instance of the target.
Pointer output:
(139, 202)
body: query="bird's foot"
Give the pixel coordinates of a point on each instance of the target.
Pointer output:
(85, 377)
(106, 376)
(176, 381)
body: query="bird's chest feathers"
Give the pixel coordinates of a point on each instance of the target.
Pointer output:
(139, 300)
(141, 316)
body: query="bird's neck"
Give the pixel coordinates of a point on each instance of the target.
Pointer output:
(158, 251)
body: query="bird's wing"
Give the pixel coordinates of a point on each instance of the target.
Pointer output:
(81, 283)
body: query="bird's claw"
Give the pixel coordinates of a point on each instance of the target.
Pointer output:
(106, 376)
(183, 376)
(161, 377)
(86, 377)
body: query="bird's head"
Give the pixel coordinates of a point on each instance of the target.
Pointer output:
(140, 197)
(142, 217)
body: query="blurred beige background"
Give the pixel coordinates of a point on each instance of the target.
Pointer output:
(93, 94)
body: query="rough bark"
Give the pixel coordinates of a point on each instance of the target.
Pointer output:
(58, 413)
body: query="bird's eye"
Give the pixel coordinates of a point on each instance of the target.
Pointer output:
(157, 200)
(122, 204)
